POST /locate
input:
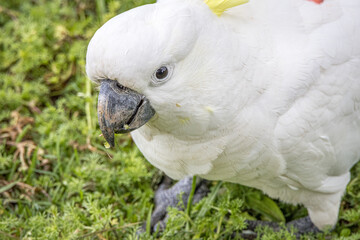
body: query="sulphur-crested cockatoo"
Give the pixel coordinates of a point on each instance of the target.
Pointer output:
(265, 94)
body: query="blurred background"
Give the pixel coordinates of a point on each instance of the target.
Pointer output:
(58, 180)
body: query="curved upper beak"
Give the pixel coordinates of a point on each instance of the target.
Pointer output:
(121, 110)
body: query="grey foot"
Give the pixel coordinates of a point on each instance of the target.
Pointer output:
(301, 226)
(250, 232)
(169, 196)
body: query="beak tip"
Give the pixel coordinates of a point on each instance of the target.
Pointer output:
(110, 138)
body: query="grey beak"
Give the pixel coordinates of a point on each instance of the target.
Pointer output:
(121, 110)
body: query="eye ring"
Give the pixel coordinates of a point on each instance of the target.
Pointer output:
(162, 74)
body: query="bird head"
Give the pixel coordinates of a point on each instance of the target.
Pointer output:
(161, 64)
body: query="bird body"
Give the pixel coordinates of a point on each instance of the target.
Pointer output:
(266, 95)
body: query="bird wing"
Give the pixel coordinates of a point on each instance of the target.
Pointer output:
(313, 87)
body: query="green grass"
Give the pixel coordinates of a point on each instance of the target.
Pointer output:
(58, 181)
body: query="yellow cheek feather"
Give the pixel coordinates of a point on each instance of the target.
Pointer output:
(220, 6)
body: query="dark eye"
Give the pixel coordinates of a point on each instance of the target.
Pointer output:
(162, 73)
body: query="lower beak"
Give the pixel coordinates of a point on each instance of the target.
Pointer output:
(121, 110)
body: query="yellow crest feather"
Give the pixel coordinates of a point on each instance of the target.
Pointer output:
(220, 6)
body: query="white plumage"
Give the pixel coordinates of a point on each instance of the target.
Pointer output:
(267, 95)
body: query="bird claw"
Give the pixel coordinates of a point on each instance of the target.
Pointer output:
(301, 226)
(169, 196)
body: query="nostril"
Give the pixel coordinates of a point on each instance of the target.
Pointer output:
(120, 86)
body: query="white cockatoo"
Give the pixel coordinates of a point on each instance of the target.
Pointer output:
(265, 94)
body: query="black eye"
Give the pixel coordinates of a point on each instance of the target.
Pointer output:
(162, 73)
